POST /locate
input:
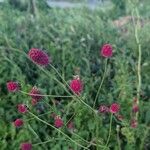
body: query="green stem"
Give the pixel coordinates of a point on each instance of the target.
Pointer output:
(136, 30)
(48, 141)
(58, 130)
(109, 131)
(118, 139)
(105, 70)
(45, 95)
(88, 106)
(70, 89)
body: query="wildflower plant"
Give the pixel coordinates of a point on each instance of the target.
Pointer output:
(74, 102)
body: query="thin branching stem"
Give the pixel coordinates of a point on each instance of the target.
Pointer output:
(109, 134)
(105, 70)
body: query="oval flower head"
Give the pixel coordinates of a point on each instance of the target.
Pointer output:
(34, 102)
(35, 93)
(135, 108)
(13, 86)
(39, 57)
(103, 109)
(18, 123)
(76, 85)
(22, 108)
(134, 123)
(58, 122)
(26, 146)
(106, 50)
(114, 108)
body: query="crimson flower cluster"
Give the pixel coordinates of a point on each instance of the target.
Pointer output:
(41, 58)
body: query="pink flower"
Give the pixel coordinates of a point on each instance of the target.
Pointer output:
(35, 94)
(13, 86)
(39, 57)
(134, 123)
(22, 108)
(58, 122)
(76, 86)
(103, 109)
(26, 146)
(18, 122)
(106, 50)
(70, 125)
(34, 102)
(135, 108)
(114, 108)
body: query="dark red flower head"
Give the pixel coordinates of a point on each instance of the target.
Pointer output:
(39, 57)
(18, 122)
(106, 50)
(26, 146)
(134, 123)
(76, 86)
(135, 108)
(103, 109)
(114, 108)
(58, 122)
(34, 102)
(13, 86)
(70, 125)
(22, 108)
(35, 93)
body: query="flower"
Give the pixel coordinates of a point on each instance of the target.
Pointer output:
(106, 50)
(134, 123)
(34, 102)
(26, 146)
(35, 93)
(114, 108)
(76, 86)
(39, 57)
(22, 108)
(13, 86)
(58, 122)
(70, 125)
(18, 122)
(135, 108)
(103, 109)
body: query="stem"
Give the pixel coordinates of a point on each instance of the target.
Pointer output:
(56, 79)
(70, 89)
(136, 30)
(118, 139)
(41, 143)
(38, 116)
(45, 95)
(100, 84)
(109, 131)
(57, 130)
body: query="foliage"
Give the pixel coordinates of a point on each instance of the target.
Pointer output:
(73, 38)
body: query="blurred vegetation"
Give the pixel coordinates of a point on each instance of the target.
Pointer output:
(73, 38)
